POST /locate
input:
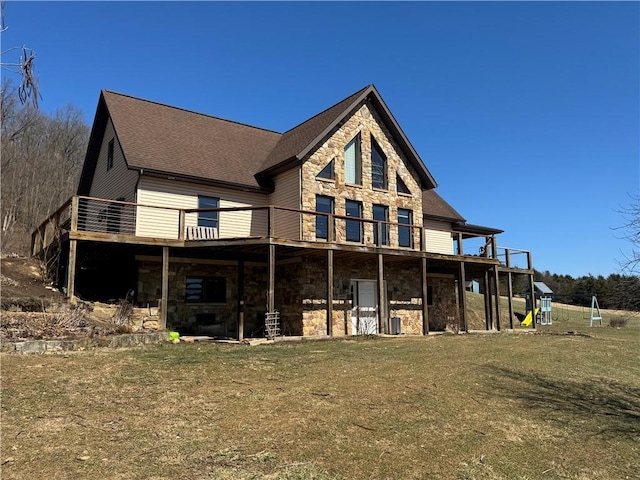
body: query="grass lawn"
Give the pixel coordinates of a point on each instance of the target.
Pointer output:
(483, 406)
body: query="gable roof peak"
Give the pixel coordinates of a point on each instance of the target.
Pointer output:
(296, 143)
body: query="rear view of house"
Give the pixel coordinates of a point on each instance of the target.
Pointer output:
(332, 228)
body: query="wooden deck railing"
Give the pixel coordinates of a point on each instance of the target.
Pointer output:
(114, 219)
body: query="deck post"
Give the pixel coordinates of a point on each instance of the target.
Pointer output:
(74, 214)
(164, 301)
(331, 228)
(459, 241)
(330, 292)
(71, 271)
(496, 280)
(181, 224)
(462, 298)
(271, 304)
(240, 300)
(533, 301)
(383, 324)
(487, 307)
(425, 297)
(510, 295)
(270, 221)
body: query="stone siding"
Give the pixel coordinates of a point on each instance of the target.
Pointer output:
(367, 123)
(182, 316)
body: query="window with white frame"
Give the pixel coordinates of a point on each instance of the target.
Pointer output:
(353, 162)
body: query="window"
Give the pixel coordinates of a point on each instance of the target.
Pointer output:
(208, 219)
(327, 172)
(401, 187)
(110, 155)
(353, 162)
(405, 217)
(206, 290)
(325, 205)
(381, 213)
(353, 227)
(378, 166)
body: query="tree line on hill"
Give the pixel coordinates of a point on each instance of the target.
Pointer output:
(616, 291)
(41, 160)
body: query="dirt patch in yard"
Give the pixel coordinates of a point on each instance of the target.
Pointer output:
(33, 310)
(24, 278)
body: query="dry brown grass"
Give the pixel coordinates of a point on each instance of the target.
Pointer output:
(448, 406)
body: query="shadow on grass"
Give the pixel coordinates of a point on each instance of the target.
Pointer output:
(614, 406)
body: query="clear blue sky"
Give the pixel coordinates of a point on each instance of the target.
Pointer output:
(527, 114)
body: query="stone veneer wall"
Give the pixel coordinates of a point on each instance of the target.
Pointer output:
(366, 122)
(182, 315)
(444, 292)
(301, 293)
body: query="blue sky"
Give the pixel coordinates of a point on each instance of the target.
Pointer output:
(527, 114)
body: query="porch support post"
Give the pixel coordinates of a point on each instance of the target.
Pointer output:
(71, 271)
(533, 301)
(271, 303)
(165, 288)
(241, 300)
(496, 280)
(330, 292)
(487, 301)
(462, 297)
(383, 324)
(510, 294)
(425, 296)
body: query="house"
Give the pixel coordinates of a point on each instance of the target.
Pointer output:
(333, 227)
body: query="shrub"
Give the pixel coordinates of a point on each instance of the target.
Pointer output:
(617, 322)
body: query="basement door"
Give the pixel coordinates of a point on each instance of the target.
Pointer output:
(364, 314)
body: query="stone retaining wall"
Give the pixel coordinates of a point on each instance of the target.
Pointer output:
(70, 345)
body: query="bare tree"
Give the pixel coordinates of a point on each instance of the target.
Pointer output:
(28, 90)
(630, 229)
(41, 161)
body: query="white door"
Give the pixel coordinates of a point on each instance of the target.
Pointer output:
(364, 314)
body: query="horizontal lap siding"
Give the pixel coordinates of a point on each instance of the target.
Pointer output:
(287, 194)
(119, 181)
(174, 194)
(437, 240)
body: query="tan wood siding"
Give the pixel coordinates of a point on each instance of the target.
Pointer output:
(175, 194)
(287, 194)
(118, 182)
(437, 240)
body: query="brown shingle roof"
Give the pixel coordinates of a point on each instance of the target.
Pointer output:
(433, 205)
(296, 140)
(167, 139)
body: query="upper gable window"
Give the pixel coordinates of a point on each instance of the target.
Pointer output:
(110, 155)
(401, 187)
(378, 166)
(353, 162)
(327, 172)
